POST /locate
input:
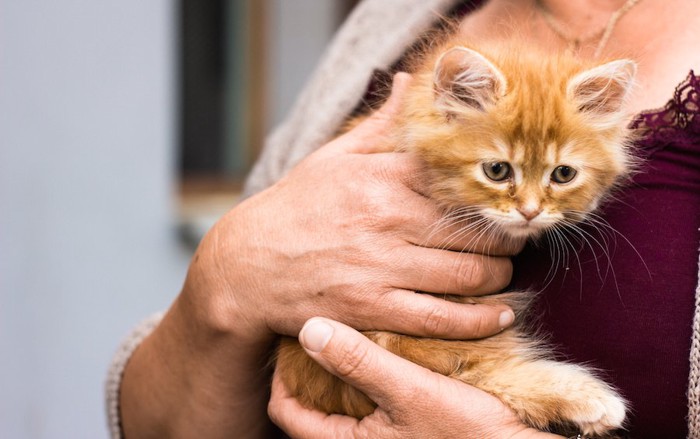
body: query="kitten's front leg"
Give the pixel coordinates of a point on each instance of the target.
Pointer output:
(316, 388)
(546, 393)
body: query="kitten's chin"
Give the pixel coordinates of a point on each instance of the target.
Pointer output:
(517, 227)
(524, 231)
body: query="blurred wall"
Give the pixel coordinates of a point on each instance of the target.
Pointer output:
(299, 33)
(87, 242)
(87, 217)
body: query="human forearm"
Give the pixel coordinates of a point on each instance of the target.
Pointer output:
(174, 385)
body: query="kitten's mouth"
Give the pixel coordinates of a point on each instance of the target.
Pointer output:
(524, 229)
(519, 227)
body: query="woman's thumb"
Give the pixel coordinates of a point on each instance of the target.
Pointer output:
(372, 135)
(358, 361)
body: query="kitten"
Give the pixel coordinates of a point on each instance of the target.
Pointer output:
(518, 143)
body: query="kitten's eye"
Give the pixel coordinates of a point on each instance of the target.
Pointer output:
(497, 171)
(563, 174)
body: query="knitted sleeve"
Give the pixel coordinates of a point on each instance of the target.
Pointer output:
(694, 378)
(116, 370)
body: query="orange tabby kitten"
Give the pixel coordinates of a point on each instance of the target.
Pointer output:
(516, 143)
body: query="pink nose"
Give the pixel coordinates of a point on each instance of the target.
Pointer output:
(529, 214)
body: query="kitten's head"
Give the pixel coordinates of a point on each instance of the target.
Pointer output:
(528, 141)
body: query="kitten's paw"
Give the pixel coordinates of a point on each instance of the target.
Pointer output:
(598, 412)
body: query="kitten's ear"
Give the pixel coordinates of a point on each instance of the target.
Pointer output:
(601, 91)
(463, 78)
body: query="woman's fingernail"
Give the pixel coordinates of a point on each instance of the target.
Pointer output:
(506, 319)
(315, 335)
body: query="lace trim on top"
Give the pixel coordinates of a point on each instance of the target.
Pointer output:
(676, 122)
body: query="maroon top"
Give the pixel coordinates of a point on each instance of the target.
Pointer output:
(624, 301)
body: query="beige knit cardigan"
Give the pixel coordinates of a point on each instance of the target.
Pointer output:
(375, 35)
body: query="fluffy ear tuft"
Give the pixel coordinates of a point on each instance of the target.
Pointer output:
(601, 91)
(465, 79)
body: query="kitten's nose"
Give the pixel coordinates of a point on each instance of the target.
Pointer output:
(529, 213)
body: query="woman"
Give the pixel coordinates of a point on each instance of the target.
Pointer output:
(261, 272)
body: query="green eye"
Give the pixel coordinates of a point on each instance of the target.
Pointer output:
(497, 171)
(563, 174)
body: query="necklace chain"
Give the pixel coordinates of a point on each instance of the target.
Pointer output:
(575, 41)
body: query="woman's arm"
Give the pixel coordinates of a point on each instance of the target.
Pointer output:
(347, 234)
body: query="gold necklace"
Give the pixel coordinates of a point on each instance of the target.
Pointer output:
(574, 42)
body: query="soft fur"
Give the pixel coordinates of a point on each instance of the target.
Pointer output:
(466, 110)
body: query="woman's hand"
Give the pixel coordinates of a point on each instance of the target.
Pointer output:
(412, 401)
(348, 234)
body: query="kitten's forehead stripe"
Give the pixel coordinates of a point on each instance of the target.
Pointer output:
(566, 150)
(503, 148)
(517, 174)
(551, 154)
(518, 152)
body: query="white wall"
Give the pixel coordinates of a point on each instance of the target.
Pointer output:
(87, 224)
(300, 31)
(87, 242)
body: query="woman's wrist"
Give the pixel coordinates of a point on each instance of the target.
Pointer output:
(182, 376)
(220, 299)
(205, 362)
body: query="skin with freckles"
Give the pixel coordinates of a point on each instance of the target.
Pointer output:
(513, 144)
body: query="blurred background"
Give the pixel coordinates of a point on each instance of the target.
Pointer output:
(126, 128)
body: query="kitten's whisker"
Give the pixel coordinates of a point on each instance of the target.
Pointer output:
(561, 254)
(494, 233)
(491, 230)
(441, 225)
(565, 249)
(609, 269)
(562, 249)
(566, 239)
(486, 230)
(587, 237)
(553, 255)
(451, 219)
(438, 226)
(600, 221)
(602, 226)
(604, 232)
(455, 236)
(618, 200)
(484, 227)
